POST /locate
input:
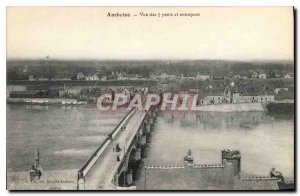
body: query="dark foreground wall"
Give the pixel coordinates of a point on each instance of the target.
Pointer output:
(190, 178)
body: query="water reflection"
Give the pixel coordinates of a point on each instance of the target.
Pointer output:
(264, 140)
(212, 120)
(66, 136)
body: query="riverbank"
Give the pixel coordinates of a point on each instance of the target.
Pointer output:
(281, 107)
(285, 106)
(239, 107)
(45, 101)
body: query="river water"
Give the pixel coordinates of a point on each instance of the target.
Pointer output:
(264, 140)
(67, 136)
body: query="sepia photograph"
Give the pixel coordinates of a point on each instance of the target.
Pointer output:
(150, 98)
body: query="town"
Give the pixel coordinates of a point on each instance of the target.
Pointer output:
(81, 84)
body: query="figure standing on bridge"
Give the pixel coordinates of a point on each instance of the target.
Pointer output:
(118, 148)
(110, 136)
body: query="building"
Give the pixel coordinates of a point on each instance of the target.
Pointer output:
(112, 77)
(129, 77)
(252, 97)
(276, 90)
(42, 79)
(120, 77)
(288, 75)
(165, 76)
(143, 90)
(218, 77)
(284, 94)
(237, 76)
(93, 77)
(191, 78)
(30, 77)
(80, 76)
(126, 92)
(276, 74)
(249, 97)
(163, 86)
(118, 90)
(202, 77)
(109, 91)
(236, 97)
(213, 97)
(62, 79)
(69, 92)
(259, 74)
(265, 98)
(252, 94)
(155, 77)
(103, 78)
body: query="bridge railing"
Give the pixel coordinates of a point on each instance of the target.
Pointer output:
(94, 157)
(131, 144)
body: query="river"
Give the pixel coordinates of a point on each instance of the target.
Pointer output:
(67, 136)
(264, 140)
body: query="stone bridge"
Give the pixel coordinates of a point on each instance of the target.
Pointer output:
(111, 166)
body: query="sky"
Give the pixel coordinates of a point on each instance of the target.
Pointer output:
(232, 33)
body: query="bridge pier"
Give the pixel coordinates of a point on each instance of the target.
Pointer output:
(148, 128)
(149, 138)
(143, 150)
(129, 178)
(145, 130)
(152, 128)
(143, 137)
(125, 179)
(151, 121)
(138, 154)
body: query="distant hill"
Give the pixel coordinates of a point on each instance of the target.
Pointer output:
(20, 69)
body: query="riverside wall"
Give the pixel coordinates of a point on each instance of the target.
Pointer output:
(237, 107)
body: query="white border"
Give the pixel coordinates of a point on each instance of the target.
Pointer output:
(5, 3)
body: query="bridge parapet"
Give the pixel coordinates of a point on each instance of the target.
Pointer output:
(107, 166)
(163, 167)
(98, 152)
(290, 182)
(205, 166)
(258, 178)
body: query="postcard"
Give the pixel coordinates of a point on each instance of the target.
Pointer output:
(150, 98)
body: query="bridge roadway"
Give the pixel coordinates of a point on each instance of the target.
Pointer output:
(102, 173)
